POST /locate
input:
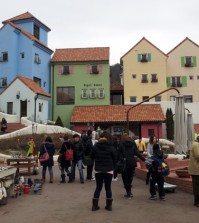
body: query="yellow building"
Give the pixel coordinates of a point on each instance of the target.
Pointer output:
(183, 70)
(144, 72)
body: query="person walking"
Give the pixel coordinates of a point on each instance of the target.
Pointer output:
(3, 125)
(65, 164)
(156, 176)
(87, 156)
(194, 169)
(127, 150)
(78, 154)
(152, 141)
(50, 148)
(104, 157)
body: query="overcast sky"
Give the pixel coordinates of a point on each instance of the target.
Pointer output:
(113, 23)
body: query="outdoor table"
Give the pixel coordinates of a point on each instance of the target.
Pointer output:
(23, 163)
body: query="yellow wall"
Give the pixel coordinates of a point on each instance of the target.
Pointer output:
(186, 48)
(134, 87)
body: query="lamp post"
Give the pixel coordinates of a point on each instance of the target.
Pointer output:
(127, 113)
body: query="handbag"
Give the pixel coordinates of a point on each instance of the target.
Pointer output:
(87, 161)
(44, 157)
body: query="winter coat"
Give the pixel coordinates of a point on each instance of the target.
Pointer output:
(50, 147)
(65, 145)
(78, 152)
(128, 149)
(157, 156)
(104, 156)
(194, 159)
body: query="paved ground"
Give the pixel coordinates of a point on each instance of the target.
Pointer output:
(72, 203)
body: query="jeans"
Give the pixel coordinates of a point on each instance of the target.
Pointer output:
(127, 178)
(101, 178)
(155, 178)
(79, 163)
(64, 169)
(50, 170)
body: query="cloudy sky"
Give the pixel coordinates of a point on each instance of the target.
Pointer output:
(113, 23)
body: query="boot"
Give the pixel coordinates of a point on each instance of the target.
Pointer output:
(109, 204)
(70, 178)
(43, 179)
(51, 179)
(63, 178)
(95, 206)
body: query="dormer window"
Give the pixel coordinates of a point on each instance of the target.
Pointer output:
(36, 31)
(94, 69)
(144, 57)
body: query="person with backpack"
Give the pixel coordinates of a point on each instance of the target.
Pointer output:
(156, 174)
(64, 162)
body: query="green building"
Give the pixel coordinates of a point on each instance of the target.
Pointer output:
(79, 77)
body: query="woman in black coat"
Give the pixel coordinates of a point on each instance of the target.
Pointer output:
(104, 157)
(50, 148)
(127, 150)
(65, 164)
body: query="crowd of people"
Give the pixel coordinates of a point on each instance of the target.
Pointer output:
(101, 155)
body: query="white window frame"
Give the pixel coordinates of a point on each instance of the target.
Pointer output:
(3, 82)
(84, 93)
(92, 93)
(101, 93)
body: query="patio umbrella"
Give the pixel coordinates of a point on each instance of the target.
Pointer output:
(190, 130)
(180, 126)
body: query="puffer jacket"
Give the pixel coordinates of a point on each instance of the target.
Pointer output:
(78, 153)
(104, 155)
(194, 159)
(50, 147)
(128, 149)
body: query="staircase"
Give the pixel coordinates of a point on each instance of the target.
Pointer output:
(11, 127)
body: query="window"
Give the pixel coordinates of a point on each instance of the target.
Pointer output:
(66, 69)
(94, 69)
(101, 93)
(150, 132)
(4, 57)
(190, 77)
(154, 78)
(84, 93)
(37, 80)
(172, 98)
(37, 60)
(40, 107)
(10, 108)
(188, 98)
(176, 82)
(36, 31)
(188, 62)
(65, 95)
(133, 99)
(144, 57)
(22, 55)
(158, 98)
(144, 78)
(3, 82)
(92, 93)
(134, 76)
(145, 98)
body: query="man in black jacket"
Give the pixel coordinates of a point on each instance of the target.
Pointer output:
(77, 157)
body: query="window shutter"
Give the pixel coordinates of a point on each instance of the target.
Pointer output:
(182, 62)
(60, 69)
(139, 57)
(72, 69)
(149, 57)
(194, 61)
(168, 82)
(88, 68)
(100, 68)
(184, 81)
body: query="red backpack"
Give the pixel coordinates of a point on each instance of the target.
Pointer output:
(69, 154)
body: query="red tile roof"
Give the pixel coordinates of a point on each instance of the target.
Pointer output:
(26, 15)
(81, 54)
(117, 113)
(30, 84)
(117, 87)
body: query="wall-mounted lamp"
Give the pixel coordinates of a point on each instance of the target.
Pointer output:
(18, 95)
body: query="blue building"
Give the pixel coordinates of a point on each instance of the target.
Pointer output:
(24, 51)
